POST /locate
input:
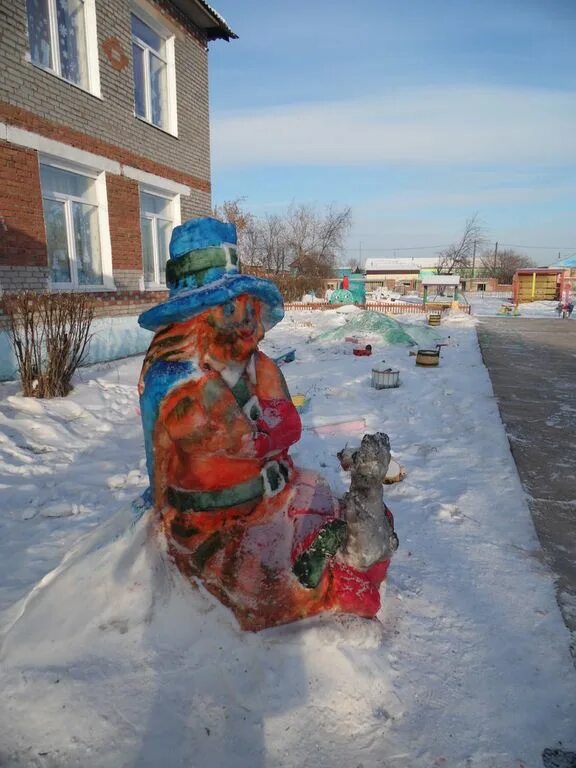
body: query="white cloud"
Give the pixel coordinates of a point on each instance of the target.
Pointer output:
(469, 198)
(413, 125)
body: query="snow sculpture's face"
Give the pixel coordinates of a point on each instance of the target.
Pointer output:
(234, 329)
(370, 462)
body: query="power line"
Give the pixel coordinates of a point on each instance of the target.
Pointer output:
(405, 248)
(542, 247)
(446, 245)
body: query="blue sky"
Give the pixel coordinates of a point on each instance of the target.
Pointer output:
(416, 113)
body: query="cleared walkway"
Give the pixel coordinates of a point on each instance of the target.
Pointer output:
(532, 365)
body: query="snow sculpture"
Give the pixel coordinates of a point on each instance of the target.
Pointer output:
(370, 535)
(262, 535)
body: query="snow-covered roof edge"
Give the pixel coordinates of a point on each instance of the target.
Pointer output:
(207, 18)
(385, 265)
(441, 280)
(570, 262)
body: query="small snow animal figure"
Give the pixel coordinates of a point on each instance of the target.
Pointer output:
(371, 536)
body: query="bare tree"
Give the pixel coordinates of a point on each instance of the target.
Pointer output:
(504, 264)
(312, 232)
(247, 229)
(354, 264)
(304, 237)
(458, 256)
(273, 248)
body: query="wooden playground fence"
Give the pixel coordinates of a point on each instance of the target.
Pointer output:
(387, 308)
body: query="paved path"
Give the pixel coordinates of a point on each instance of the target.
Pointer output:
(532, 364)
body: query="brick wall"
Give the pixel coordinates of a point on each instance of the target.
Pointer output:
(198, 203)
(112, 304)
(23, 256)
(128, 279)
(125, 302)
(124, 221)
(23, 278)
(40, 102)
(27, 91)
(22, 236)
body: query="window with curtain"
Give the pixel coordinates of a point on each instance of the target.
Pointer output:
(71, 219)
(152, 70)
(156, 222)
(57, 32)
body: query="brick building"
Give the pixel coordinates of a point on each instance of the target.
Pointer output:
(396, 274)
(104, 143)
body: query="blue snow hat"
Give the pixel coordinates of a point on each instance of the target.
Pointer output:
(203, 271)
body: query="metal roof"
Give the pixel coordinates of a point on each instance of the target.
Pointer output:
(206, 18)
(397, 265)
(569, 262)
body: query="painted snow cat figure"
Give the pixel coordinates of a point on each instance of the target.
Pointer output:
(370, 535)
(263, 536)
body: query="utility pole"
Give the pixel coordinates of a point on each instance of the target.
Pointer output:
(473, 259)
(495, 258)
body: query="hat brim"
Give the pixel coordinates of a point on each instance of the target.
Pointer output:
(192, 301)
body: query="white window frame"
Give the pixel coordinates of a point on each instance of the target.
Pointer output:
(137, 9)
(93, 86)
(159, 282)
(99, 178)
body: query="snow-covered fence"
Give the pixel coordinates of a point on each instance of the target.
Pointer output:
(397, 308)
(387, 308)
(474, 295)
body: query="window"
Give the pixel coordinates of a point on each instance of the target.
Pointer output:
(62, 38)
(158, 214)
(154, 74)
(72, 220)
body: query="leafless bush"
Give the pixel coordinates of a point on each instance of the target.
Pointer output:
(50, 333)
(292, 287)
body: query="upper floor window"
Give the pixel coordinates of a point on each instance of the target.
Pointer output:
(62, 38)
(158, 214)
(73, 218)
(154, 74)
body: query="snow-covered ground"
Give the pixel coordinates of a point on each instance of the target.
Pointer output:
(490, 306)
(112, 661)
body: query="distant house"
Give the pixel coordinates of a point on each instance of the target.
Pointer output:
(397, 273)
(104, 147)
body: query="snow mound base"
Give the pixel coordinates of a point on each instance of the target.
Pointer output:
(383, 327)
(125, 658)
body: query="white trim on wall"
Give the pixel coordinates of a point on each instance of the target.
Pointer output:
(92, 47)
(171, 84)
(104, 225)
(58, 149)
(158, 182)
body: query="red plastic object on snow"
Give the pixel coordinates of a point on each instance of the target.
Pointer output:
(366, 352)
